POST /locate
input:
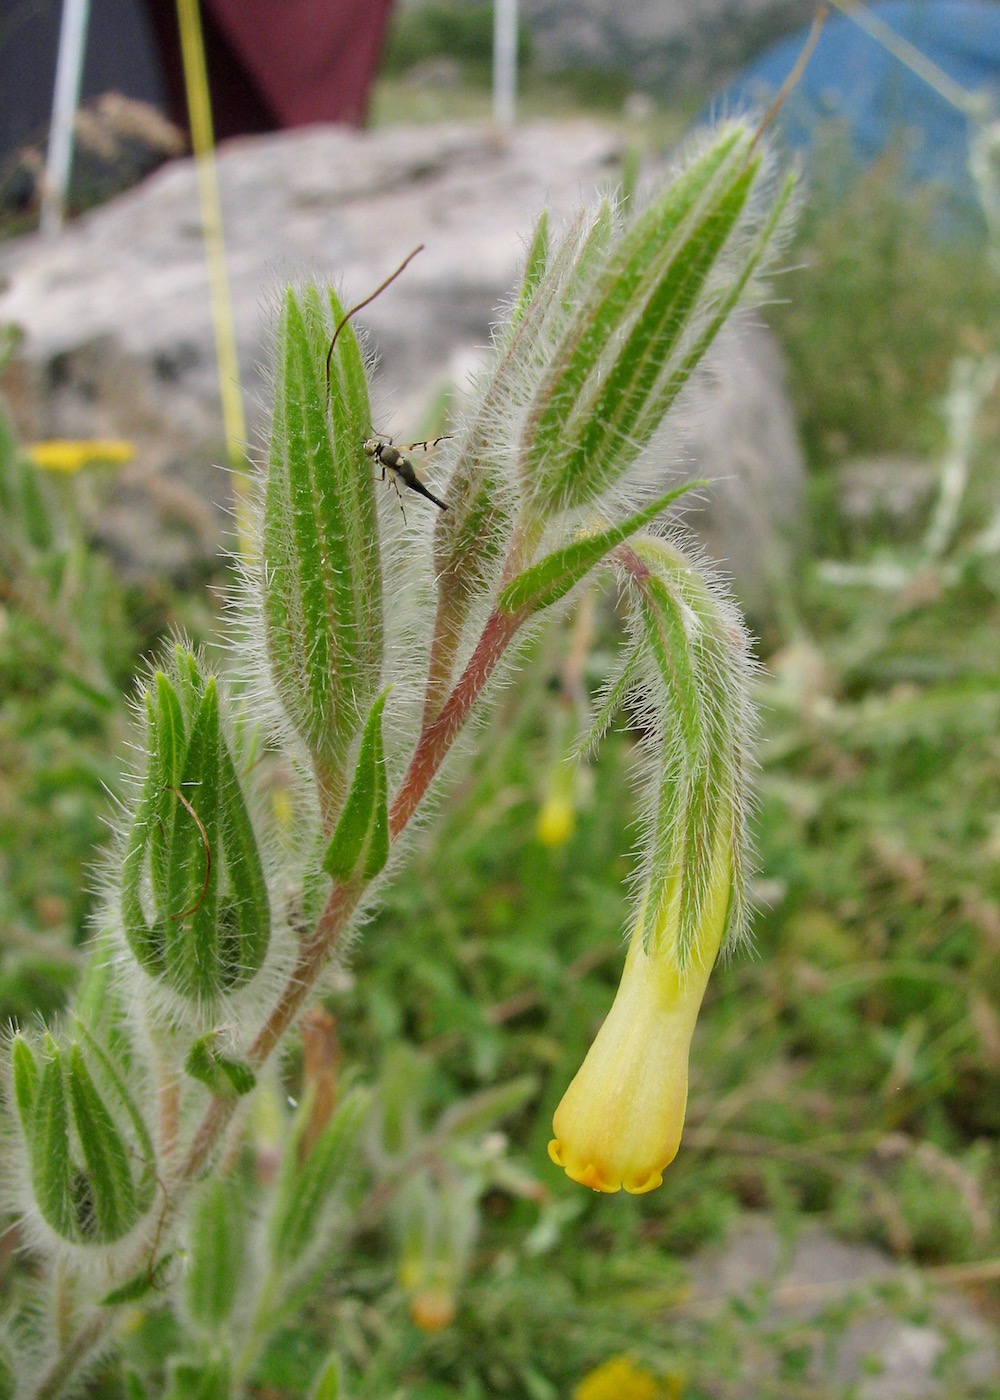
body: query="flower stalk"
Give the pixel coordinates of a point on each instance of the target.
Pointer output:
(619, 1123)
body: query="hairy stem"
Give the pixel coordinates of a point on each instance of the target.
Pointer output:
(444, 644)
(438, 737)
(74, 1353)
(169, 1103)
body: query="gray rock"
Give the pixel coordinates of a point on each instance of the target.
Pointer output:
(671, 45)
(738, 433)
(118, 338)
(879, 1331)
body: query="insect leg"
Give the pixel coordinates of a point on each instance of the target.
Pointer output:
(428, 444)
(390, 476)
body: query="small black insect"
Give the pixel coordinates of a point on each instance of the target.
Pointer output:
(396, 466)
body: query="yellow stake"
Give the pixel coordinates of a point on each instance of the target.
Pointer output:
(203, 141)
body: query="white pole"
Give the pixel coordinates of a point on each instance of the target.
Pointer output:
(504, 61)
(69, 71)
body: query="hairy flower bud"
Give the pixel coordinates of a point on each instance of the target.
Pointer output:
(321, 579)
(90, 1158)
(194, 900)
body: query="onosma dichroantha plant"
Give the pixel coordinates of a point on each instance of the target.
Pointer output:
(365, 648)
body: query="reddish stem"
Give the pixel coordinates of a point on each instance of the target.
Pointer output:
(438, 737)
(312, 956)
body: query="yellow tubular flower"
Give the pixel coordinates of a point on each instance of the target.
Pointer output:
(619, 1123)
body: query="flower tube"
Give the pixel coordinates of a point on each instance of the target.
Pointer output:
(619, 1123)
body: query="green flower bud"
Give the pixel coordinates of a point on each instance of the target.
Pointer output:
(90, 1158)
(321, 575)
(635, 316)
(194, 900)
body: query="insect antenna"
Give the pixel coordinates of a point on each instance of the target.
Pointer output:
(362, 304)
(799, 67)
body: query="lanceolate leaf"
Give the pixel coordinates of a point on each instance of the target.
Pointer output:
(191, 895)
(670, 647)
(245, 910)
(168, 743)
(360, 843)
(305, 1188)
(534, 268)
(147, 1281)
(216, 1263)
(553, 577)
(143, 1155)
(613, 698)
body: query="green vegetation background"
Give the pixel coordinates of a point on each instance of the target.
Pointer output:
(847, 1071)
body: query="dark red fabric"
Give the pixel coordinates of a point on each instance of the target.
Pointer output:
(278, 63)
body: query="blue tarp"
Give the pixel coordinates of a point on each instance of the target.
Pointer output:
(880, 103)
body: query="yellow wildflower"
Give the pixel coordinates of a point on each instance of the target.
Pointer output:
(68, 456)
(617, 1379)
(619, 1123)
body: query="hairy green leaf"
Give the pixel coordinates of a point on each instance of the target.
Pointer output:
(106, 1154)
(360, 843)
(216, 1263)
(26, 1078)
(140, 1285)
(553, 577)
(306, 1188)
